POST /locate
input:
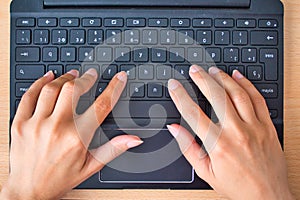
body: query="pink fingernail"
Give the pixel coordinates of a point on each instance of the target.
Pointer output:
(195, 69)
(237, 74)
(173, 130)
(214, 70)
(172, 84)
(134, 143)
(74, 73)
(122, 76)
(92, 72)
(48, 74)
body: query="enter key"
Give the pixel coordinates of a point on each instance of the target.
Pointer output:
(270, 58)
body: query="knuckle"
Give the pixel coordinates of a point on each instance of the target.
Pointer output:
(259, 99)
(50, 88)
(69, 87)
(17, 128)
(223, 75)
(240, 96)
(103, 105)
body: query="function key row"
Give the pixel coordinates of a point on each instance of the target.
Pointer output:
(152, 22)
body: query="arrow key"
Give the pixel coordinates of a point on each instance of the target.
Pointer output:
(69, 22)
(47, 22)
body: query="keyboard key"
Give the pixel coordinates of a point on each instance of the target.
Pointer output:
(254, 73)
(113, 36)
(122, 54)
(56, 69)
(213, 55)
(91, 22)
(162, 22)
(180, 22)
(116, 22)
(167, 37)
(77, 37)
(108, 71)
(150, 37)
(89, 66)
(268, 23)
(50, 54)
(41, 37)
(23, 37)
(164, 72)
(224, 23)
(136, 22)
(47, 22)
(68, 54)
(69, 22)
(231, 55)
(59, 37)
(159, 55)
(21, 88)
(27, 54)
(240, 38)
(140, 55)
(104, 54)
(100, 88)
(195, 55)
(204, 37)
(186, 37)
(137, 90)
(270, 58)
(182, 72)
(25, 22)
(264, 38)
(155, 90)
(132, 37)
(86, 54)
(249, 55)
(95, 37)
(222, 37)
(130, 71)
(146, 72)
(267, 90)
(246, 23)
(202, 23)
(29, 72)
(177, 54)
(240, 68)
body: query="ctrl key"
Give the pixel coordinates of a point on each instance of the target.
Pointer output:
(21, 88)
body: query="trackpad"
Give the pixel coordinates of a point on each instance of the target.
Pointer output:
(158, 159)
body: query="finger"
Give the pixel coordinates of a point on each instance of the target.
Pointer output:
(192, 151)
(29, 99)
(237, 94)
(258, 101)
(189, 110)
(93, 117)
(50, 92)
(99, 157)
(71, 92)
(215, 94)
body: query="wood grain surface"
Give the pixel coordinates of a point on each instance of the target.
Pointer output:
(291, 118)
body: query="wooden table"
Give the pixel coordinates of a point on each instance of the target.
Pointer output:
(291, 118)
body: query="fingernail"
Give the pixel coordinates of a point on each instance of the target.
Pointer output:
(237, 74)
(48, 74)
(74, 73)
(173, 130)
(172, 84)
(122, 76)
(92, 72)
(213, 70)
(195, 69)
(134, 143)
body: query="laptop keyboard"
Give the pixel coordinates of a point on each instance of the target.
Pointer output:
(151, 51)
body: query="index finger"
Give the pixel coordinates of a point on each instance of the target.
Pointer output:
(93, 117)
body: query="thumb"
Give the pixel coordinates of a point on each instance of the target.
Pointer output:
(98, 158)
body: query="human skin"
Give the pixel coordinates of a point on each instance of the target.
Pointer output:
(49, 153)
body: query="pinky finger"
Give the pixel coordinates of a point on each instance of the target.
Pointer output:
(29, 99)
(192, 151)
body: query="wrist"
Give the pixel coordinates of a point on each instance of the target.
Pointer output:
(8, 193)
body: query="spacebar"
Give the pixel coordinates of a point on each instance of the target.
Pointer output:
(144, 109)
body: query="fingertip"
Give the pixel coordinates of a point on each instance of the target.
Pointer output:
(213, 70)
(237, 75)
(195, 69)
(74, 73)
(93, 72)
(49, 74)
(173, 84)
(122, 76)
(174, 130)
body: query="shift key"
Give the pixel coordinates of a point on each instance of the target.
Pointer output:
(27, 54)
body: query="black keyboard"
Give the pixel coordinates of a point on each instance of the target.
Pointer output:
(152, 45)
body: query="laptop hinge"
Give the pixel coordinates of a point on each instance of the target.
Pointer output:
(148, 3)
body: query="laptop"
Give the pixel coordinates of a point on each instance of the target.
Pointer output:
(152, 41)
